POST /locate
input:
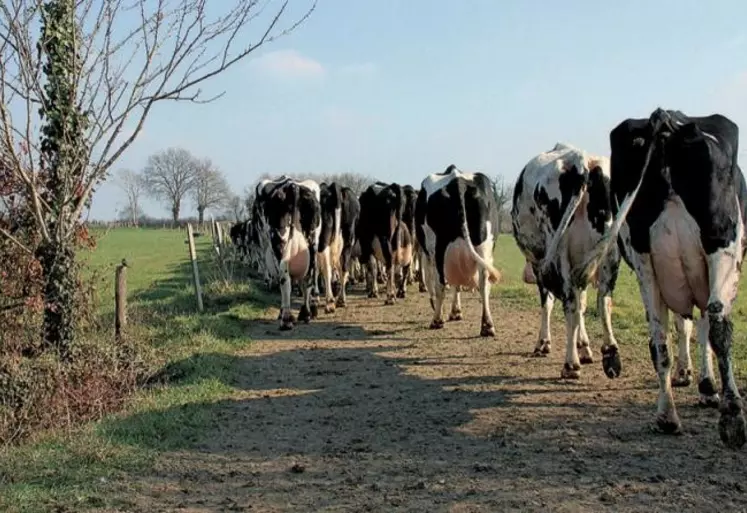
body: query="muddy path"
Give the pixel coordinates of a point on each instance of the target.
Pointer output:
(368, 410)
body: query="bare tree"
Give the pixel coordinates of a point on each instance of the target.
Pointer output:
(236, 208)
(211, 189)
(74, 97)
(169, 176)
(502, 192)
(133, 185)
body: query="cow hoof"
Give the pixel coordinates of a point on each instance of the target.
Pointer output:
(584, 355)
(683, 378)
(669, 424)
(286, 325)
(314, 311)
(373, 295)
(732, 426)
(570, 371)
(329, 308)
(542, 349)
(611, 363)
(437, 325)
(487, 331)
(389, 301)
(455, 316)
(422, 289)
(708, 396)
(401, 294)
(304, 315)
(341, 303)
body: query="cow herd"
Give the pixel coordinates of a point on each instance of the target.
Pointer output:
(670, 201)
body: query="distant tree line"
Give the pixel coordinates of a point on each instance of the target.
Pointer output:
(174, 175)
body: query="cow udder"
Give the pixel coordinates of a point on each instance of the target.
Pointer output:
(460, 267)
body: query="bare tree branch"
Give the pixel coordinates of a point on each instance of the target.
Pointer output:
(211, 189)
(133, 185)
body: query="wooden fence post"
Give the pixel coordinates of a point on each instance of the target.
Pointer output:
(195, 270)
(120, 300)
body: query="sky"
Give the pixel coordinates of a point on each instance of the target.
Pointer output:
(398, 89)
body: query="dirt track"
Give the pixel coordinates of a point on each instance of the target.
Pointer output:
(367, 410)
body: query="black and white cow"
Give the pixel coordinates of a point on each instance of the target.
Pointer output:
(682, 204)
(384, 238)
(340, 210)
(454, 221)
(560, 210)
(408, 217)
(291, 213)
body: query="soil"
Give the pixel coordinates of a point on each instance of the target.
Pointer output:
(369, 410)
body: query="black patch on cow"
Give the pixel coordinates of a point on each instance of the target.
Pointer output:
(421, 206)
(330, 200)
(570, 183)
(598, 209)
(350, 212)
(687, 161)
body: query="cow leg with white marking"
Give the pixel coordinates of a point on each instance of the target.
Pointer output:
(456, 306)
(657, 314)
(607, 278)
(286, 316)
(325, 266)
(372, 277)
(707, 381)
(487, 326)
(724, 267)
(544, 343)
(582, 345)
(437, 288)
(684, 371)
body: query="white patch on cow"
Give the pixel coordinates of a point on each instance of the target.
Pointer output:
(705, 353)
(683, 372)
(435, 182)
(724, 267)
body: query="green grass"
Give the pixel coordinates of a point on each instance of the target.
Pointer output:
(72, 471)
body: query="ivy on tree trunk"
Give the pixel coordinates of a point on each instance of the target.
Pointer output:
(63, 148)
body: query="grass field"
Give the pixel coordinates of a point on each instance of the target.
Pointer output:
(200, 355)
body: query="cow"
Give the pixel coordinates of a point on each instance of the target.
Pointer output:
(384, 238)
(560, 209)
(680, 201)
(454, 220)
(340, 210)
(290, 211)
(408, 217)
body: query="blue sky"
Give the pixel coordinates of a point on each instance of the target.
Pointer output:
(398, 89)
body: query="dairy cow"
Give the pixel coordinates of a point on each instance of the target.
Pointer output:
(291, 216)
(560, 209)
(455, 217)
(340, 210)
(680, 202)
(384, 238)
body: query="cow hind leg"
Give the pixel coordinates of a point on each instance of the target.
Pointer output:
(723, 268)
(326, 267)
(456, 306)
(683, 373)
(611, 363)
(709, 397)
(373, 268)
(286, 317)
(487, 326)
(572, 310)
(547, 300)
(582, 345)
(402, 289)
(390, 288)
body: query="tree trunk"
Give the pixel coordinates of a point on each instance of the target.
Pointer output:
(175, 212)
(57, 259)
(200, 215)
(134, 215)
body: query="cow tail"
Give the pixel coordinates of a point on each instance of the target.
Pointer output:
(494, 275)
(295, 216)
(583, 273)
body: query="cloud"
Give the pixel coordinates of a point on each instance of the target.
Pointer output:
(360, 70)
(288, 64)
